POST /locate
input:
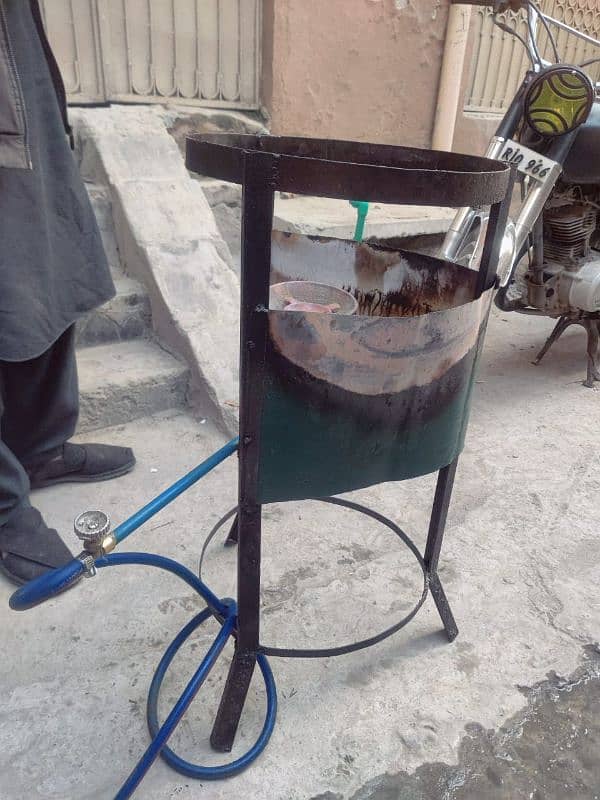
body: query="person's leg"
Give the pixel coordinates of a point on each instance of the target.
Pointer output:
(41, 410)
(14, 483)
(28, 548)
(41, 399)
(40, 407)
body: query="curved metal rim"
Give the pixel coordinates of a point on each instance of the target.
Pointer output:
(329, 652)
(362, 153)
(332, 168)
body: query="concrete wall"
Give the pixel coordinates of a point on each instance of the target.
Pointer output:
(360, 69)
(473, 131)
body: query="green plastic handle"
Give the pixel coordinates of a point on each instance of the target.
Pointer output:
(362, 209)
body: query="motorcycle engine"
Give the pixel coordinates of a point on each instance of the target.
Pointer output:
(570, 278)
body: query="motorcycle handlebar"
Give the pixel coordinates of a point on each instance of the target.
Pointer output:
(47, 586)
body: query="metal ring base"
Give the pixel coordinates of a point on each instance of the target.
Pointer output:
(328, 652)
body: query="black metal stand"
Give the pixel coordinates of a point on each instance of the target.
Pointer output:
(344, 170)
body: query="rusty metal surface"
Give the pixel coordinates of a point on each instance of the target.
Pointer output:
(359, 399)
(342, 169)
(385, 281)
(377, 355)
(381, 395)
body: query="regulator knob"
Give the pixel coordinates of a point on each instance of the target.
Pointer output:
(92, 527)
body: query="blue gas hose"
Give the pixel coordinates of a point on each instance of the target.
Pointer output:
(161, 734)
(178, 710)
(225, 770)
(46, 586)
(130, 525)
(152, 560)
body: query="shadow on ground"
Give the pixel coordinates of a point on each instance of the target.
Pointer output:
(550, 750)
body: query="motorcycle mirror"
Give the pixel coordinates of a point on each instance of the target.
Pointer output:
(558, 100)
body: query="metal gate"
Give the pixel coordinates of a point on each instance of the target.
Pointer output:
(200, 52)
(500, 61)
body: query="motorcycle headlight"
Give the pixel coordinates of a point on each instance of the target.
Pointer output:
(559, 100)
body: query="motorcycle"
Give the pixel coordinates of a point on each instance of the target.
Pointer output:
(550, 255)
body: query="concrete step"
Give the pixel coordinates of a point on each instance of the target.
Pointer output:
(127, 316)
(102, 206)
(225, 199)
(218, 191)
(123, 381)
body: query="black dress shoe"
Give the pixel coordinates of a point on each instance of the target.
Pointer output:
(82, 463)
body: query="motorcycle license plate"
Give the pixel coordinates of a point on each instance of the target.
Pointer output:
(527, 161)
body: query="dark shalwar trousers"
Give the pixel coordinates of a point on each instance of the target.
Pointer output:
(39, 405)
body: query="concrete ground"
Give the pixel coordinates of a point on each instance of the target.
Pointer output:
(324, 216)
(510, 710)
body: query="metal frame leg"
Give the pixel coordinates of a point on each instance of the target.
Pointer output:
(232, 701)
(257, 218)
(247, 641)
(437, 525)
